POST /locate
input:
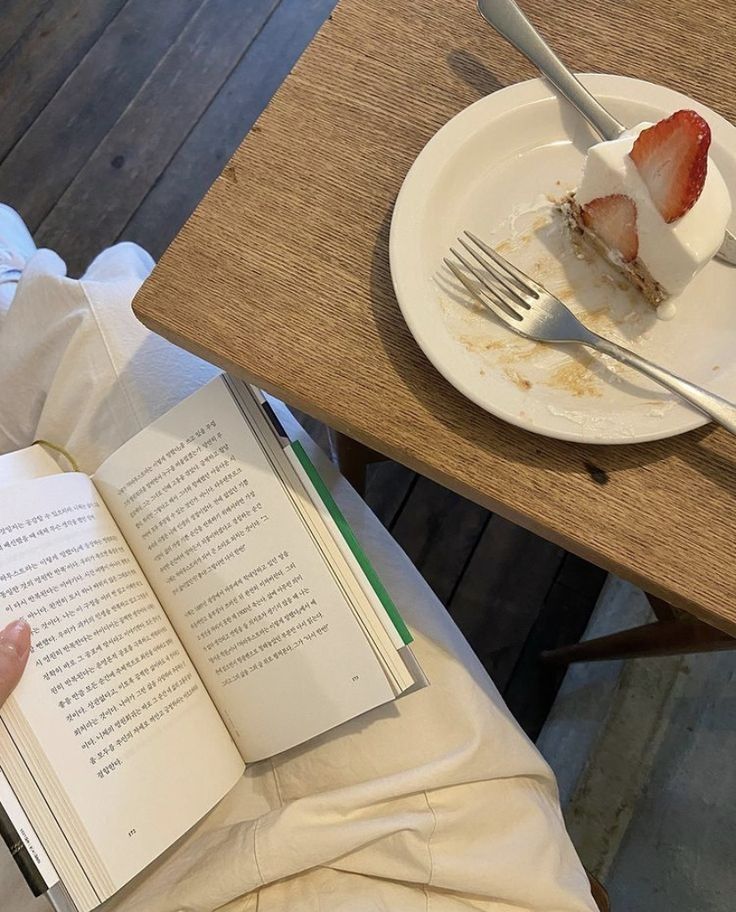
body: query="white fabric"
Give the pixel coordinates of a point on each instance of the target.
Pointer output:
(437, 802)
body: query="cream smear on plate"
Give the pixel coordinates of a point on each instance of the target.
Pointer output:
(536, 238)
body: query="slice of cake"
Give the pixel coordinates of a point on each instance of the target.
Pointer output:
(653, 203)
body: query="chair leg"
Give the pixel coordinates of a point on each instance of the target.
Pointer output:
(352, 458)
(675, 636)
(599, 893)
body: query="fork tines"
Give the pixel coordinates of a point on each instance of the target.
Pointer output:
(503, 288)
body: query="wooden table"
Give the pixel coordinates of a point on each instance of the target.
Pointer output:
(282, 276)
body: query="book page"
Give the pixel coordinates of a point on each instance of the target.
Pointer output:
(22, 465)
(110, 717)
(248, 590)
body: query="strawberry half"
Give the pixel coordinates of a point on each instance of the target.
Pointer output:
(672, 158)
(613, 220)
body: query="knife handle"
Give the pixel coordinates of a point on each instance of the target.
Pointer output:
(506, 17)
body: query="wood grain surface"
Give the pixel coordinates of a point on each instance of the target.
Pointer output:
(237, 105)
(281, 276)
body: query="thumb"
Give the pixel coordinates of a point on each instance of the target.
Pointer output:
(15, 645)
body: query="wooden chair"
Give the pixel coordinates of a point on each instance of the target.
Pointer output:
(674, 632)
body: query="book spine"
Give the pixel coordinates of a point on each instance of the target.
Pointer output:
(22, 856)
(301, 461)
(331, 514)
(25, 847)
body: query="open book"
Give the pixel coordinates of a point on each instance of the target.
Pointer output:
(197, 605)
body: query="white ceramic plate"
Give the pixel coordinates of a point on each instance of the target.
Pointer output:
(490, 170)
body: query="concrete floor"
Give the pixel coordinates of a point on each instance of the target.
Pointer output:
(644, 751)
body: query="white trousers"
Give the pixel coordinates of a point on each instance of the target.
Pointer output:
(437, 802)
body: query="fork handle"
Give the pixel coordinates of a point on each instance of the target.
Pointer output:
(720, 410)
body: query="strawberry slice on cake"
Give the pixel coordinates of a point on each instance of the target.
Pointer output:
(672, 159)
(612, 219)
(653, 203)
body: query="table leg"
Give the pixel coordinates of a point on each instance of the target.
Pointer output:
(352, 458)
(599, 893)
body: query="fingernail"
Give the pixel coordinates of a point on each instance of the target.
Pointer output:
(17, 637)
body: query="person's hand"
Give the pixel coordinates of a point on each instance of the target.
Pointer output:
(15, 645)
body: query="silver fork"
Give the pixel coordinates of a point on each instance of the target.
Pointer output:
(533, 312)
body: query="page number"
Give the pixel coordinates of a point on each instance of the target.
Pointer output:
(356, 678)
(131, 833)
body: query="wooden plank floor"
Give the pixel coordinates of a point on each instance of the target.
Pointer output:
(117, 117)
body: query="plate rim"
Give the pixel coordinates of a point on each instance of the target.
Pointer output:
(527, 92)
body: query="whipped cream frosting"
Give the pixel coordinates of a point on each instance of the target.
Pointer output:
(673, 253)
